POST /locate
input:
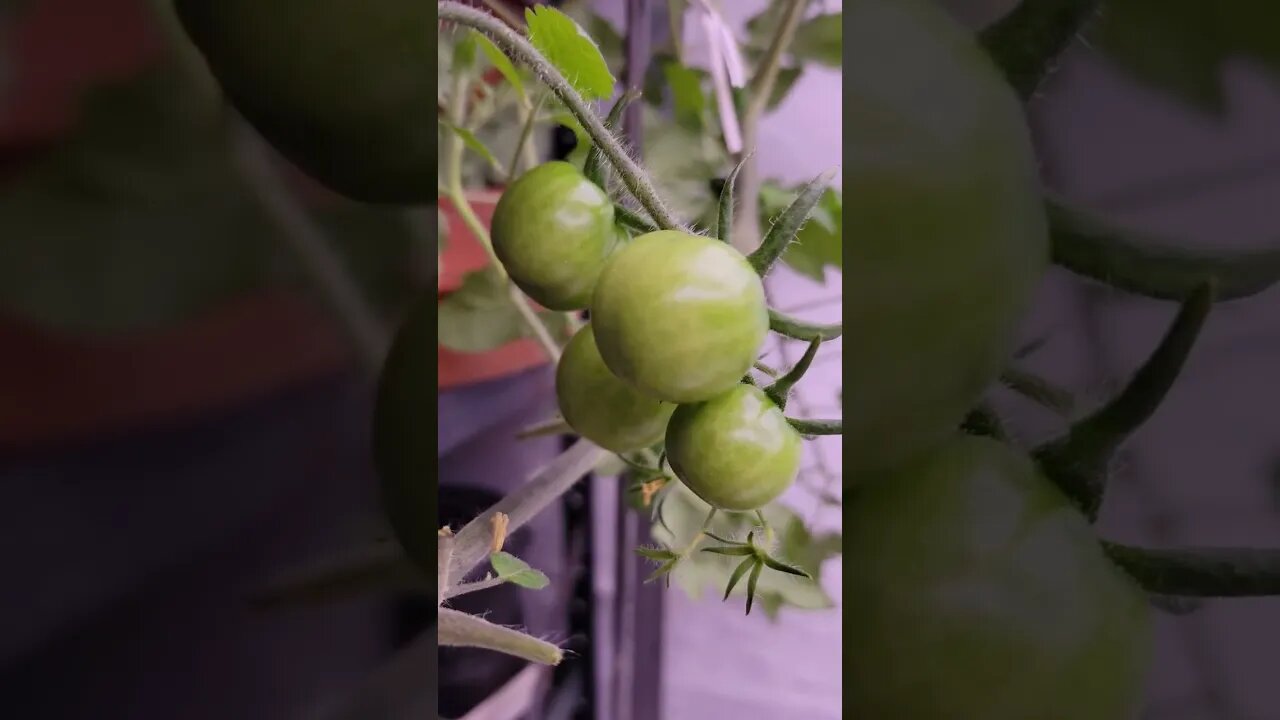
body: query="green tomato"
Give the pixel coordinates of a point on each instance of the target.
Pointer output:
(948, 234)
(736, 451)
(404, 455)
(602, 408)
(979, 591)
(679, 316)
(553, 231)
(338, 86)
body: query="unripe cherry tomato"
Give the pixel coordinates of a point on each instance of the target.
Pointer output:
(735, 451)
(679, 316)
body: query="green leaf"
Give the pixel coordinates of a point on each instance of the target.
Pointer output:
(819, 39)
(517, 572)
(499, 60)
(752, 583)
(480, 317)
(688, 98)
(471, 141)
(574, 53)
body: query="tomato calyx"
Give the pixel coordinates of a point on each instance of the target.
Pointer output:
(754, 560)
(755, 557)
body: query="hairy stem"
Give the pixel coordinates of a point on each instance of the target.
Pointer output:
(454, 149)
(524, 150)
(1025, 43)
(472, 542)
(519, 49)
(458, 629)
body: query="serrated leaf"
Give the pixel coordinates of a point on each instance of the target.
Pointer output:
(480, 316)
(517, 572)
(500, 61)
(574, 53)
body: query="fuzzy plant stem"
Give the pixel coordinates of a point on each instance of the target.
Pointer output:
(472, 543)
(458, 629)
(519, 49)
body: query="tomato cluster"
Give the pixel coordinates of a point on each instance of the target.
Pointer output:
(677, 319)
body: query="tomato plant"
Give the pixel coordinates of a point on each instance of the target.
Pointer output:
(602, 408)
(980, 587)
(980, 591)
(735, 451)
(679, 316)
(337, 86)
(553, 231)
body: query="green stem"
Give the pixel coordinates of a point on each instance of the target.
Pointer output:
(1025, 43)
(530, 117)
(633, 176)
(1153, 266)
(1201, 572)
(817, 427)
(800, 330)
(779, 389)
(454, 149)
(759, 88)
(473, 541)
(594, 166)
(1078, 462)
(458, 629)
(632, 219)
